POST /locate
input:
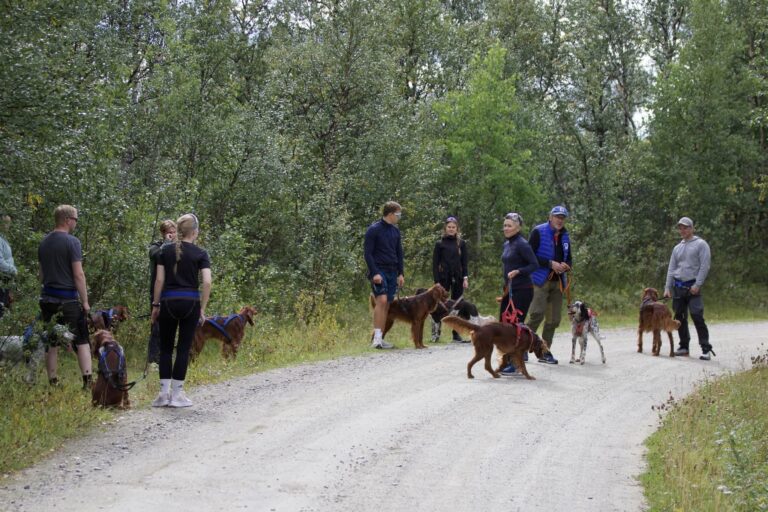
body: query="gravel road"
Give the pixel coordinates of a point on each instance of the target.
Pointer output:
(395, 430)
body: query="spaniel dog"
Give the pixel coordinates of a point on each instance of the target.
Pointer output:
(583, 323)
(107, 318)
(227, 330)
(414, 310)
(509, 339)
(111, 387)
(655, 317)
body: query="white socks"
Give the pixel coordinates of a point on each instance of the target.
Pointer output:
(165, 386)
(377, 336)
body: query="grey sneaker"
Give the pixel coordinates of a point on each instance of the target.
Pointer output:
(383, 345)
(179, 399)
(681, 351)
(162, 400)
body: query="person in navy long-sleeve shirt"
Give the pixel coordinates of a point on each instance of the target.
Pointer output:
(383, 250)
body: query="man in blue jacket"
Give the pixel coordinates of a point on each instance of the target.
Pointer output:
(384, 258)
(552, 246)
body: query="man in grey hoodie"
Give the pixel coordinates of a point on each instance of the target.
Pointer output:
(688, 269)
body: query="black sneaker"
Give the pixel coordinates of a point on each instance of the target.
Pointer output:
(681, 352)
(706, 356)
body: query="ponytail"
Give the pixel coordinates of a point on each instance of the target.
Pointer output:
(185, 225)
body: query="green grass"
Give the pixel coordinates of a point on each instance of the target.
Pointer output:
(37, 420)
(711, 452)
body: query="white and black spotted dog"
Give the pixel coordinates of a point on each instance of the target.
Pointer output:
(583, 323)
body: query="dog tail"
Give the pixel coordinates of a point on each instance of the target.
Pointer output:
(459, 324)
(673, 325)
(373, 302)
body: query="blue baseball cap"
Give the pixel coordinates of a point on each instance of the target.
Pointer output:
(559, 210)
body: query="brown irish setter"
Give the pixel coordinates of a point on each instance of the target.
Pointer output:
(107, 319)
(228, 330)
(111, 387)
(655, 317)
(414, 310)
(509, 339)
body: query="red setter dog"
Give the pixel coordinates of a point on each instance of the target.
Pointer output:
(111, 387)
(107, 319)
(228, 330)
(655, 317)
(512, 340)
(414, 310)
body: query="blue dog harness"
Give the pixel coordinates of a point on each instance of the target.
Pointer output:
(220, 323)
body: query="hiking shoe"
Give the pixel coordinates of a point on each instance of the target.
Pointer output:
(681, 351)
(382, 345)
(508, 370)
(162, 400)
(179, 399)
(548, 359)
(706, 356)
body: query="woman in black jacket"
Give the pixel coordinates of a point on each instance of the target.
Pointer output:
(519, 262)
(449, 266)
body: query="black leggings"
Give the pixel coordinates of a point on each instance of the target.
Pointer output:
(454, 285)
(184, 315)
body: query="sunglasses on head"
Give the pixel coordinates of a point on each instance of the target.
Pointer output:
(451, 219)
(515, 217)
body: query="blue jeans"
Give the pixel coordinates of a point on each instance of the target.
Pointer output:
(387, 286)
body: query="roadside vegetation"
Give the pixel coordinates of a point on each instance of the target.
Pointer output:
(711, 452)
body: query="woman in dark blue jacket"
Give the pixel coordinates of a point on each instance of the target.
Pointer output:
(519, 262)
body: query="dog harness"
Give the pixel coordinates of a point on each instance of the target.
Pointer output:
(107, 315)
(220, 323)
(117, 375)
(580, 326)
(510, 316)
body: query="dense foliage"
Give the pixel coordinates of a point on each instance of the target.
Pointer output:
(285, 124)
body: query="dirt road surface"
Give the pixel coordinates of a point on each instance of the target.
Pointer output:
(396, 430)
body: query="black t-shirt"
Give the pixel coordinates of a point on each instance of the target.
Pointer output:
(56, 253)
(193, 259)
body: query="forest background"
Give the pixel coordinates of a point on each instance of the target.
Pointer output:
(286, 124)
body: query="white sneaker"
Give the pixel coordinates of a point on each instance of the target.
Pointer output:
(384, 345)
(179, 399)
(162, 400)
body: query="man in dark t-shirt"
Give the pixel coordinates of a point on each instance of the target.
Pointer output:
(61, 272)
